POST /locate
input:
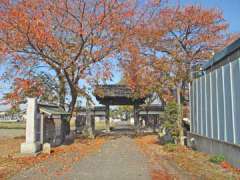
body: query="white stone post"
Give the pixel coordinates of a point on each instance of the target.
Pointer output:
(31, 146)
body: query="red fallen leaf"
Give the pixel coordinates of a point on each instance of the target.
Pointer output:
(58, 173)
(15, 164)
(225, 165)
(44, 170)
(157, 175)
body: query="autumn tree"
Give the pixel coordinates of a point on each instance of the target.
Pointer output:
(172, 41)
(145, 75)
(189, 35)
(39, 85)
(68, 36)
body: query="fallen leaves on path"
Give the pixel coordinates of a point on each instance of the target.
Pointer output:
(158, 174)
(11, 164)
(148, 145)
(180, 162)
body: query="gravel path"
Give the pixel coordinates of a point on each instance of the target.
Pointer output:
(118, 159)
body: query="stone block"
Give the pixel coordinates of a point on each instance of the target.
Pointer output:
(46, 148)
(30, 148)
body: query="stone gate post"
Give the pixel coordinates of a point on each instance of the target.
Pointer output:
(31, 146)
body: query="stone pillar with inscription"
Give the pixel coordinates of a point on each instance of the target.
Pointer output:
(31, 146)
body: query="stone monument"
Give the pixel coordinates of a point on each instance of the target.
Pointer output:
(31, 146)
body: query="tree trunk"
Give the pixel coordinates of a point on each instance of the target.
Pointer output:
(179, 121)
(61, 101)
(62, 90)
(71, 109)
(73, 101)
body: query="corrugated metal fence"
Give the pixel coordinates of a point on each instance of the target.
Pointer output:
(215, 104)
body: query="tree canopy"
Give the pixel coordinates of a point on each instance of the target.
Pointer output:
(69, 37)
(174, 39)
(77, 41)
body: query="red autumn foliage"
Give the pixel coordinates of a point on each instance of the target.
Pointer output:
(169, 43)
(229, 167)
(157, 175)
(69, 37)
(24, 88)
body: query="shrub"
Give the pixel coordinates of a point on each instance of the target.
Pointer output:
(217, 159)
(170, 122)
(170, 147)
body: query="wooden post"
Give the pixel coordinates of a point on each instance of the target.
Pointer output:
(154, 124)
(147, 119)
(93, 121)
(63, 128)
(107, 120)
(42, 128)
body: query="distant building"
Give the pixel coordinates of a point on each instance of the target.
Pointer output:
(6, 115)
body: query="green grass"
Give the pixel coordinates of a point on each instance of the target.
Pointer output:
(12, 125)
(100, 125)
(169, 147)
(217, 159)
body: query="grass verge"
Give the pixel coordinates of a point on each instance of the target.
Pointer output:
(12, 125)
(180, 160)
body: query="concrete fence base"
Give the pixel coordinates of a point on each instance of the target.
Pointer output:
(230, 151)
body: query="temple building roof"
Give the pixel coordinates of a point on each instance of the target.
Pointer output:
(52, 109)
(116, 95)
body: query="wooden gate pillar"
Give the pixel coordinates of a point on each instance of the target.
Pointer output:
(93, 121)
(147, 119)
(107, 120)
(154, 123)
(136, 118)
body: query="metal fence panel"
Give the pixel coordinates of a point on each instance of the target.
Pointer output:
(191, 95)
(203, 121)
(235, 82)
(208, 112)
(194, 106)
(206, 105)
(215, 103)
(220, 105)
(198, 107)
(228, 103)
